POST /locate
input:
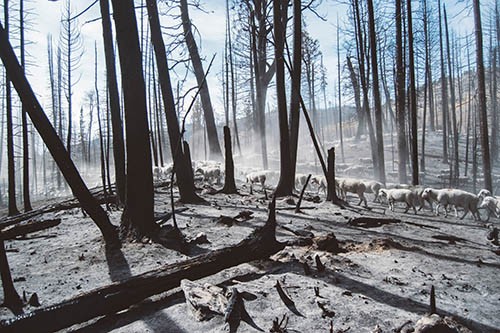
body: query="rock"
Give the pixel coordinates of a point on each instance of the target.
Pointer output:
(204, 301)
(200, 238)
(435, 324)
(327, 243)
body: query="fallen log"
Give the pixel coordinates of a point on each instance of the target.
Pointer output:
(120, 295)
(371, 222)
(23, 228)
(61, 205)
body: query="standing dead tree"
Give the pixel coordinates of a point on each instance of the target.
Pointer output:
(114, 102)
(483, 119)
(182, 162)
(53, 142)
(71, 45)
(137, 218)
(213, 141)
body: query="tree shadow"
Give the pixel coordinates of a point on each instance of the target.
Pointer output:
(119, 269)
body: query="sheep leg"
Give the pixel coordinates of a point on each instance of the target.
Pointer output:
(364, 199)
(437, 209)
(407, 207)
(466, 211)
(456, 212)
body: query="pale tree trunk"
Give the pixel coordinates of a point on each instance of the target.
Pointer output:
(341, 134)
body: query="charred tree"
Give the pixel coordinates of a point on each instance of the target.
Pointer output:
(213, 141)
(413, 99)
(400, 96)
(11, 298)
(182, 163)
(114, 102)
(295, 89)
(341, 134)
(444, 91)
(452, 99)
(53, 142)
(483, 119)
(137, 218)
(26, 175)
(229, 184)
(286, 181)
(376, 94)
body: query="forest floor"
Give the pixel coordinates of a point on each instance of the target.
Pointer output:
(378, 280)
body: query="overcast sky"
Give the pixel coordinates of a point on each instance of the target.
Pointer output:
(211, 25)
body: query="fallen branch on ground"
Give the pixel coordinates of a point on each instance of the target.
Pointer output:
(120, 295)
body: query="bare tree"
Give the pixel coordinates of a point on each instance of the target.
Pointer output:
(137, 218)
(71, 45)
(182, 162)
(400, 89)
(53, 142)
(114, 102)
(413, 99)
(444, 91)
(26, 178)
(213, 141)
(483, 119)
(286, 181)
(295, 89)
(376, 94)
(10, 133)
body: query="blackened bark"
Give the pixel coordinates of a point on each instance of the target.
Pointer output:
(286, 181)
(444, 91)
(182, 164)
(413, 100)
(229, 184)
(483, 119)
(295, 90)
(11, 298)
(114, 102)
(137, 218)
(376, 95)
(53, 142)
(400, 89)
(213, 141)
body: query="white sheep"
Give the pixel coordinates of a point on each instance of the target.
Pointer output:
(374, 187)
(399, 195)
(210, 173)
(256, 177)
(321, 182)
(353, 186)
(457, 198)
(300, 179)
(489, 202)
(492, 205)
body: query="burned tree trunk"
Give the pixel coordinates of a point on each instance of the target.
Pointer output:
(120, 295)
(483, 119)
(413, 101)
(182, 163)
(331, 194)
(11, 298)
(400, 90)
(114, 102)
(213, 141)
(137, 218)
(229, 184)
(51, 139)
(286, 181)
